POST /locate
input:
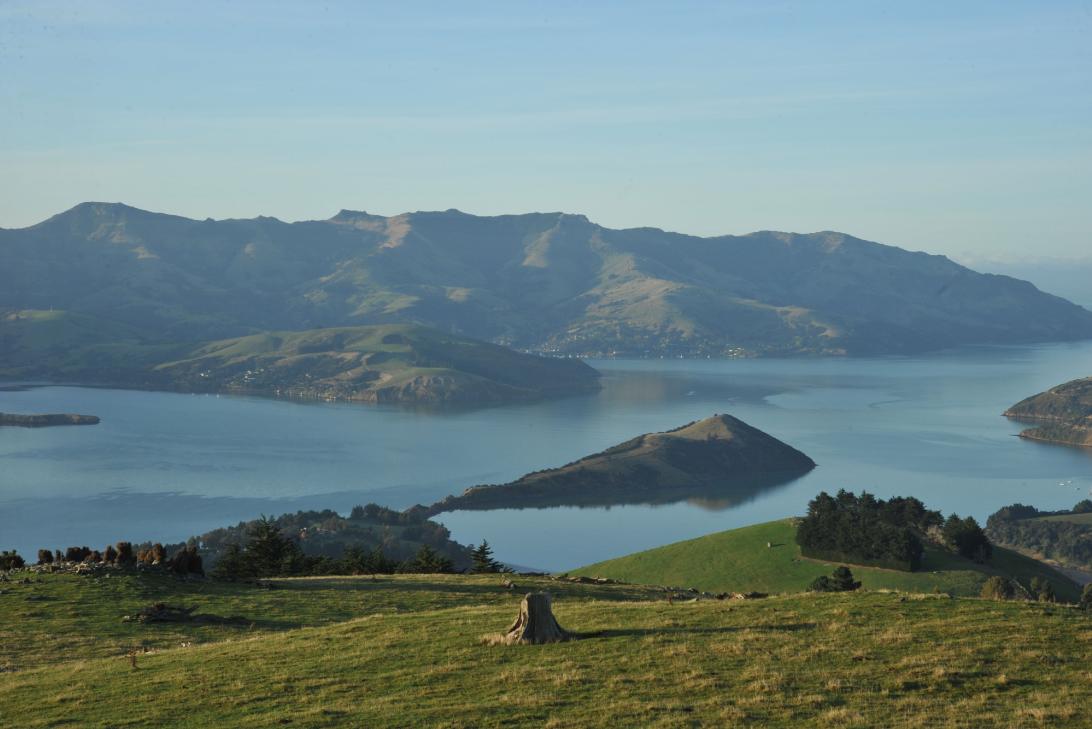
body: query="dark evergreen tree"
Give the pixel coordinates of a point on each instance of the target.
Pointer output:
(483, 559)
(428, 561)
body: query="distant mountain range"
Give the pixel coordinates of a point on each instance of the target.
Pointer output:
(548, 282)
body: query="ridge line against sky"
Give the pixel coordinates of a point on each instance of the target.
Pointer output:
(964, 130)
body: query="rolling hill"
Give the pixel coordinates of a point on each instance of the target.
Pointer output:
(719, 458)
(739, 560)
(540, 281)
(391, 363)
(1065, 412)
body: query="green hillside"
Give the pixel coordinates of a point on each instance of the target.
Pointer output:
(406, 652)
(739, 561)
(385, 363)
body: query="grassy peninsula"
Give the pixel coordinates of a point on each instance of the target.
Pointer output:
(394, 363)
(1064, 414)
(719, 458)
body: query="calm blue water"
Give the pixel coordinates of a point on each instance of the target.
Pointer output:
(165, 465)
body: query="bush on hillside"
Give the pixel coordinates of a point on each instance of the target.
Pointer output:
(1042, 590)
(76, 554)
(428, 561)
(1083, 507)
(841, 580)
(967, 538)
(11, 560)
(110, 554)
(45, 556)
(1000, 588)
(125, 554)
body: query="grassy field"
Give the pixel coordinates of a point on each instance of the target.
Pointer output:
(739, 560)
(1085, 518)
(406, 651)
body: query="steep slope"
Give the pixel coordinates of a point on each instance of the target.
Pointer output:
(1065, 412)
(544, 281)
(766, 557)
(718, 458)
(391, 363)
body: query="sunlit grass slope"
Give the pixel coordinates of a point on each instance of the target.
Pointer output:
(405, 652)
(739, 560)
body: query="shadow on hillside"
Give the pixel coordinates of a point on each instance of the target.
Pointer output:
(642, 632)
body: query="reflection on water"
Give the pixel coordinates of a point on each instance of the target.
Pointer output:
(167, 465)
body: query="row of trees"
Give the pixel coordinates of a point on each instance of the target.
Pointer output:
(268, 552)
(185, 560)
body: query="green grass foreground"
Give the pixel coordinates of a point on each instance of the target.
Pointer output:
(406, 651)
(739, 560)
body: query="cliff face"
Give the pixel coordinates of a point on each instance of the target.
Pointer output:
(42, 421)
(1065, 412)
(720, 458)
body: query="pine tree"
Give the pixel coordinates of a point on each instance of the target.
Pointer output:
(483, 559)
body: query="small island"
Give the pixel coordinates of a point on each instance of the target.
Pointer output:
(720, 458)
(47, 420)
(1065, 414)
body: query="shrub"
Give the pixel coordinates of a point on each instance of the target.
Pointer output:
(110, 554)
(999, 588)
(1084, 506)
(967, 538)
(1086, 597)
(125, 553)
(186, 561)
(76, 554)
(428, 561)
(1041, 590)
(45, 556)
(11, 560)
(841, 580)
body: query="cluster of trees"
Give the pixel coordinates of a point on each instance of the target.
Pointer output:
(866, 530)
(269, 552)
(1020, 526)
(967, 538)
(398, 534)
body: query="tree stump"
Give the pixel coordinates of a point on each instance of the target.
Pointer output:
(536, 623)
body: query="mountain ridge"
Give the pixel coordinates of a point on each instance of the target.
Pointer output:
(548, 282)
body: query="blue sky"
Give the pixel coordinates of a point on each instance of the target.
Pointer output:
(962, 128)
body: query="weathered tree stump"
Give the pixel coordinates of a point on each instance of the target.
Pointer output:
(536, 623)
